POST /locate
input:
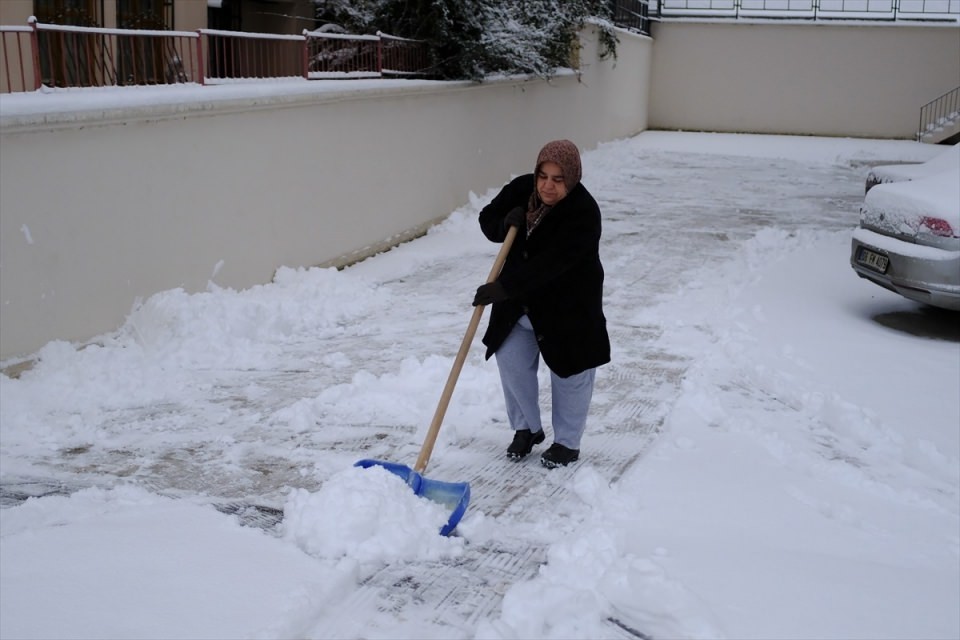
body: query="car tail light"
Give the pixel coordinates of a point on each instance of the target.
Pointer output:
(937, 226)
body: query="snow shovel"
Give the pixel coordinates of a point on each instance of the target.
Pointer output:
(454, 495)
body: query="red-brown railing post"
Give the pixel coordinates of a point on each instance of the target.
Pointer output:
(306, 55)
(201, 72)
(20, 37)
(35, 46)
(6, 62)
(380, 53)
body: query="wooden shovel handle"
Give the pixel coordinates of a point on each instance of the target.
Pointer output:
(434, 429)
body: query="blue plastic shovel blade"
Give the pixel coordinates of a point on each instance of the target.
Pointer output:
(453, 495)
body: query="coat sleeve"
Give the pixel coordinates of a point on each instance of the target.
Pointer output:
(514, 194)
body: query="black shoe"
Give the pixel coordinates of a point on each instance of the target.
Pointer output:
(523, 441)
(559, 456)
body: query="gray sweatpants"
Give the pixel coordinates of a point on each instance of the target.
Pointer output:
(518, 359)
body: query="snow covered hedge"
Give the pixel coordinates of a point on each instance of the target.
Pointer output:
(470, 39)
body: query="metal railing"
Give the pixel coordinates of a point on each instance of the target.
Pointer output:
(59, 56)
(335, 55)
(69, 56)
(939, 113)
(17, 66)
(403, 56)
(632, 14)
(933, 10)
(233, 56)
(62, 56)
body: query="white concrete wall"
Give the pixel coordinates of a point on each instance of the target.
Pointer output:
(826, 78)
(99, 208)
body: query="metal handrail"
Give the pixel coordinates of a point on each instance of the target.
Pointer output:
(939, 112)
(403, 56)
(880, 10)
(16, 56)
(239, 56)
(72, 56)
(632, 14)
(69, 56)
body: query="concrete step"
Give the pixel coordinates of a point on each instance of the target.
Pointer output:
(944, 131)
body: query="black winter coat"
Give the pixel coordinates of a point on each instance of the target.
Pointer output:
(554, 276)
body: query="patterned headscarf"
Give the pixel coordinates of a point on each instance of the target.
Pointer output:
(567, 156)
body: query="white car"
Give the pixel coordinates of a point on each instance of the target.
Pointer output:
(908, 240)
(949, 160)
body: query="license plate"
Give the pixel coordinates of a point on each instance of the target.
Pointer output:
(873, 260)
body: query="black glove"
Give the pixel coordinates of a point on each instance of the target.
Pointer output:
(489, 293)
(516, 218)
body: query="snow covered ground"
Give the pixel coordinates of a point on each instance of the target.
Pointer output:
(773, 453)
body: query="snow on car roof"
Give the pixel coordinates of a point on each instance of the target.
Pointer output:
(936, 195)
(946, 161)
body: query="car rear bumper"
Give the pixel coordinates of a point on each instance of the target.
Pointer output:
(923, 274)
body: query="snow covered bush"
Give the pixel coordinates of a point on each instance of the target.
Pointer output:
(470, 39)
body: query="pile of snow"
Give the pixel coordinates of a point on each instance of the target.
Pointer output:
(369, 516)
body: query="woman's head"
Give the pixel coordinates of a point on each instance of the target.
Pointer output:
(558, 171)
